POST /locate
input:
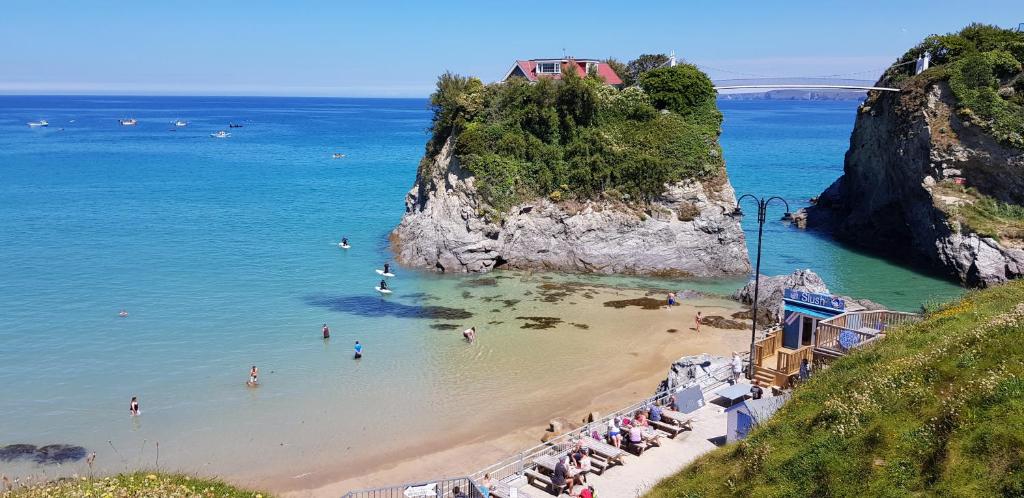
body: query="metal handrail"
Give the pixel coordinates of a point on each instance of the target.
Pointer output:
(445, 489)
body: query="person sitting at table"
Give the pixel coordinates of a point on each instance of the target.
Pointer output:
(572, 473)
(636, 435)
(558, 476)
(641, 419)
(614, 434)
(486, 484)
(655, 413)
(586, 466)
(577, 452)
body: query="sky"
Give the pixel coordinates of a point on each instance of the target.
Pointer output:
(396, 48)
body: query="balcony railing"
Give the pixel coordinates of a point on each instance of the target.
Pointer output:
(843, 332)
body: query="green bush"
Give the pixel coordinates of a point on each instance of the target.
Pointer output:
(577, 136)
(682, 89)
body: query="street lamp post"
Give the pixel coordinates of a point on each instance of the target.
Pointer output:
(762, 209)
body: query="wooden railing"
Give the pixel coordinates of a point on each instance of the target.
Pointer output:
(789, 361)
(860, 327)
(767, 347)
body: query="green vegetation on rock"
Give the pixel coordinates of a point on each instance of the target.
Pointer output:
(134, 485)
(982, 64)
(934, 409)
(577, 138)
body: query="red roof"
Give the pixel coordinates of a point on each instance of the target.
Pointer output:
(529, 69)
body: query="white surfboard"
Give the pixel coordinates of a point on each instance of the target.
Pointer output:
(383, 291)
(381, 272)
(343, 245)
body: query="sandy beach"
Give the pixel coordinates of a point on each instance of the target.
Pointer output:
(611, 354)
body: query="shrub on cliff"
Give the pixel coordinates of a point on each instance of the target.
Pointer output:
(978, 61)
(578, 136)
(134, 485)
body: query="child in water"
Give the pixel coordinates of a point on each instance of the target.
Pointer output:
(254, 374)
(358, 350)
(134, 407)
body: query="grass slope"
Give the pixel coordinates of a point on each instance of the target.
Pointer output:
(936, 409)
(135, 485)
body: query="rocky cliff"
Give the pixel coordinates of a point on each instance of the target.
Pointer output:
(684, 232)
(915, 171)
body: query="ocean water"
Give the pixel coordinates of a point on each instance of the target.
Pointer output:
(224, 252)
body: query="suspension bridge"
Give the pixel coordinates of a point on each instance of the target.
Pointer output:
(748, 81)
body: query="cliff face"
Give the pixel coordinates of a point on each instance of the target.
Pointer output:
(684, 232)
(913, 164)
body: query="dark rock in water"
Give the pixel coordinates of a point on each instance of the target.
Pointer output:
(59, 453)
(495, 322)
(646, 303)
(581, 326)
(672, 331)
(719, 322)
(13, 452)
(495, 310)
(539, 322)
(376, 307)
(480, 282)
(466, 294)
(510, 302)
(444, 326)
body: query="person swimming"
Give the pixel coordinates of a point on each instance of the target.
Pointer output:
(327, 332)
(387, 268)
(254, 374)
(134, 406)
(383, 285)
(358, 350)
(469, 334)
(123, 313)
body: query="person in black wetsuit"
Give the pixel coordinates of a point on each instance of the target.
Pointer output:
(344, 241)
(383, 285)
(387, 268)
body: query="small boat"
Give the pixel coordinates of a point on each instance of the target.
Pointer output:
(179, 123)
(128, 122)
(233, 125)
(38, 124)
(383, 291)
(388, 274)
(339, 156)
(220, 134)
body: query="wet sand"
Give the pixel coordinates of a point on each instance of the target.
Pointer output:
(595, 358)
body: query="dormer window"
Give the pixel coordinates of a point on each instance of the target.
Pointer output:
(549, 68)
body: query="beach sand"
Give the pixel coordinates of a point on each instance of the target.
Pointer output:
(599, 358)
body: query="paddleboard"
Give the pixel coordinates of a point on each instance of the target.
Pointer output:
(343, 246)
(381, 272)
(383, 291)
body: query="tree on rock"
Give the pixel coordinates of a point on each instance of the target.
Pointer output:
(682, 89)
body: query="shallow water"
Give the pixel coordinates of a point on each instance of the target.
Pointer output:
(224, 253)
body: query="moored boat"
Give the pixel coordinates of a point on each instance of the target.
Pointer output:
(38, 124)
(128, 122)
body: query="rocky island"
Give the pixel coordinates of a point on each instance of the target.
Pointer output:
(935, 172)
(574, 174)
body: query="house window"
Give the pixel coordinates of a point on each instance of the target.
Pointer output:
(549, 68)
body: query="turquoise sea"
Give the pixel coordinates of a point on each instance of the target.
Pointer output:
(224, 253)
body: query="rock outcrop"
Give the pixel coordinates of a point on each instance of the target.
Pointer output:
(685, 232)
(908, 150)
(769, 298)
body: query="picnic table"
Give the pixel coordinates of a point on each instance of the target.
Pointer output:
(547, 462)
(603, 449)
(677, 418)
(734, 393)
(503, 490)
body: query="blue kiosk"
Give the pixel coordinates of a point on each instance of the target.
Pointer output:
(802, 312)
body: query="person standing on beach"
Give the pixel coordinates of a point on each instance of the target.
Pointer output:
(358, 350)
(134, 407)
(696, 322)
(737, 367)
(671, 299)
(327, 332)
(254, 376)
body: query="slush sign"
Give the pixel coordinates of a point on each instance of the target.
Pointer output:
(819, 300)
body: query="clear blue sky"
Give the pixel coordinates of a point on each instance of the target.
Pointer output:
(383, 48)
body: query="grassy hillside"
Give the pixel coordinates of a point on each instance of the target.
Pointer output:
(577, 138)
(136, 485)
(936, 409)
